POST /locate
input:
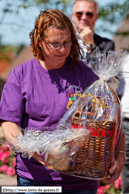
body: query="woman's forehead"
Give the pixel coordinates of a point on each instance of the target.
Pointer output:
(51, 32)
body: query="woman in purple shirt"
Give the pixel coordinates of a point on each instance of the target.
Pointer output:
(36, 94)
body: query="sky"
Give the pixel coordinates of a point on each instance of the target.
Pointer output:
(15, 28)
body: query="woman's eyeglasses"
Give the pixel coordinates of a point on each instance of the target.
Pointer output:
(58, 46)
(88, 14)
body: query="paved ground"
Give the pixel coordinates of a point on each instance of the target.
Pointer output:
(4, 179)
(7, 181)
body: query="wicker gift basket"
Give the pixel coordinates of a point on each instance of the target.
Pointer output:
(96, 150)
(97, 110)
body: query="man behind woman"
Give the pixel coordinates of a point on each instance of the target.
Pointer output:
(84, 16)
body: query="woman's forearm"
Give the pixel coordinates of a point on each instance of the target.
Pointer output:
(121, 153)
(122, 146)
(10, 130)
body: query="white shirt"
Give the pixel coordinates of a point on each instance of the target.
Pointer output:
(82, 45)
(124, 90)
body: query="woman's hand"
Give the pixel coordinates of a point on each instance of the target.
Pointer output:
(118, 163)
(39, 159)
(115, 169)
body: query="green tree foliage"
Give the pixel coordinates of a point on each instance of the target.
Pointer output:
(114, 13)
(6, 49)
(58, 4)
(14, 7)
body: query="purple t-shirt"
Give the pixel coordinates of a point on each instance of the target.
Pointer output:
(35, 97)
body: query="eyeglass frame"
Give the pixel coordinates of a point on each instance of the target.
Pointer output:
(88, 14)
(50, 44)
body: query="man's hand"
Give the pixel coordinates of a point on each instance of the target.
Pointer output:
(87, 36)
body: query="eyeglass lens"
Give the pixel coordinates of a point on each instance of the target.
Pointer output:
(89, 14)
(58, 46)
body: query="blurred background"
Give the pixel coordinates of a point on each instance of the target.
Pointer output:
(17, 20)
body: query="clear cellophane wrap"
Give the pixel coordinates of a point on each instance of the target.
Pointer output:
(98, 111)
(45, 140)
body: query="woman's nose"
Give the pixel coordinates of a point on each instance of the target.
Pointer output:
(62, 47)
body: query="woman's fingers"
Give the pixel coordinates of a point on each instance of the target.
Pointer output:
(40, 160)
(113, 168)
(114, 171)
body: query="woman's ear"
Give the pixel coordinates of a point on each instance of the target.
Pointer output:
(40, 44)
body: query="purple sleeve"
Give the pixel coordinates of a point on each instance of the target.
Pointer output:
(12, 102)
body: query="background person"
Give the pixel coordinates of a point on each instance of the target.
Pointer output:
(36, 94)
(124, 96)
(84, 16)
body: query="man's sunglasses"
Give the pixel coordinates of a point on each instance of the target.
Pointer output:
(80, 14)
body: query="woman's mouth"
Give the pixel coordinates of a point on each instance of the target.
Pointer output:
(60, 55)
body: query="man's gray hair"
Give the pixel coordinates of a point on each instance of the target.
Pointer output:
(91, 1)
